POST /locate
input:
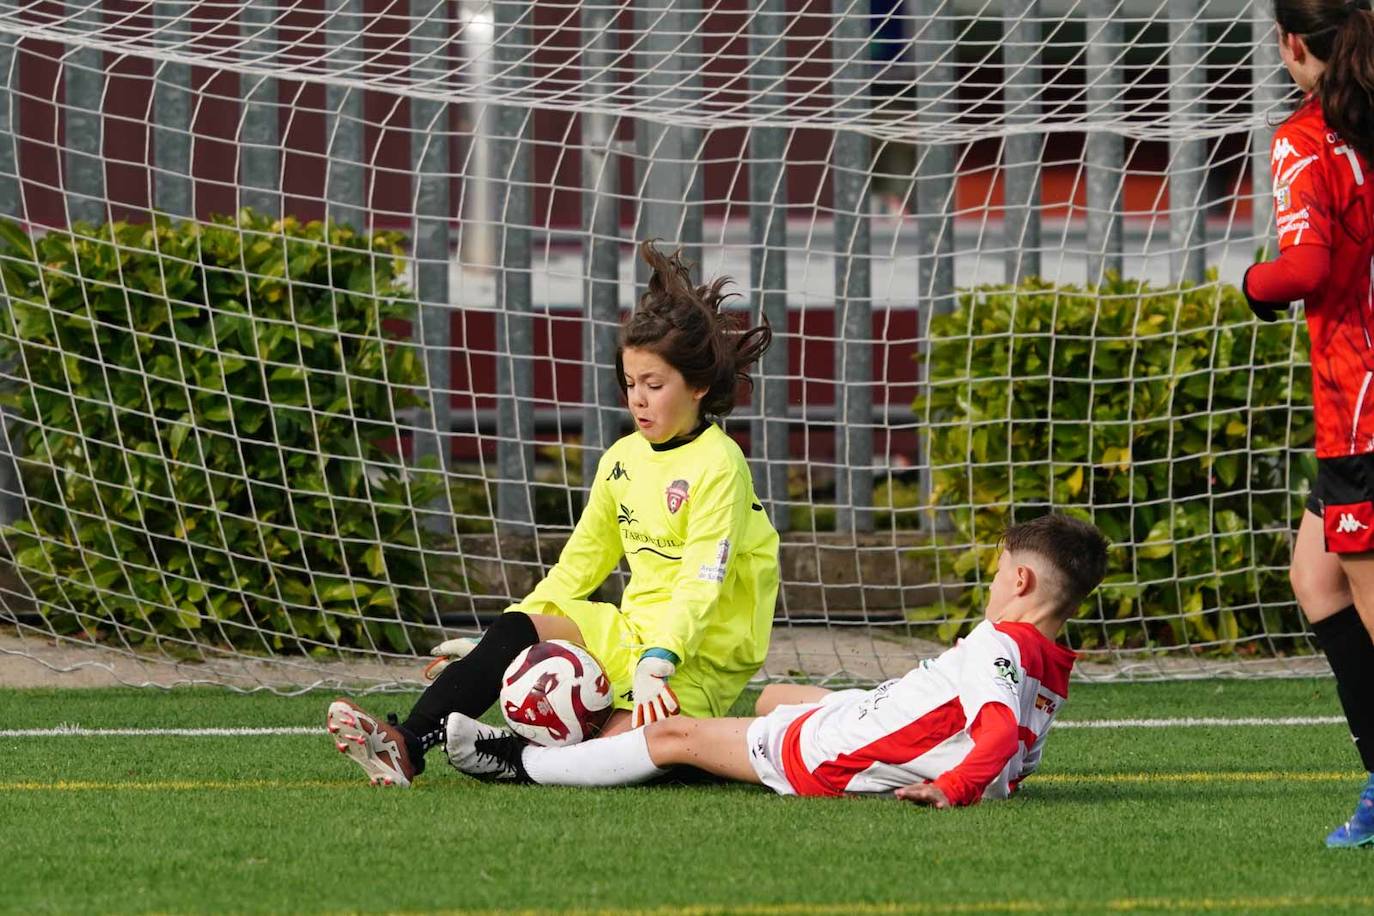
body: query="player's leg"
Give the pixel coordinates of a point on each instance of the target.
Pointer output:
(775, 695)
(1332, 532)
(392, 752)
(718, 746)
(1346, 638)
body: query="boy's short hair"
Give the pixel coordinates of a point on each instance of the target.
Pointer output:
(1076, 549)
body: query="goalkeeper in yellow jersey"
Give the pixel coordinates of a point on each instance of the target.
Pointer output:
(676, 500)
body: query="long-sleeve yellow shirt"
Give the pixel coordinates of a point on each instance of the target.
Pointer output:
(702, 553)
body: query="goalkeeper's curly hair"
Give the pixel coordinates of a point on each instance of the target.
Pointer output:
(684, 325)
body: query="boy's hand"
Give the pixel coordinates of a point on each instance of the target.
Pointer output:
(923, 793)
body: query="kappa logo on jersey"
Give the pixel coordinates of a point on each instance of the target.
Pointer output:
(1282, 150)
(618, 472)
(676, 495)
(1045, 704)
(627, 515)
(1007, 671)
(1349, 524)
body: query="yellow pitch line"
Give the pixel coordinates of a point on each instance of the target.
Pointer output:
(186, 785)
(1202, 776)
(916, 908)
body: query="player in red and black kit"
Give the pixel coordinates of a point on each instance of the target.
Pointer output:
(1324, 205)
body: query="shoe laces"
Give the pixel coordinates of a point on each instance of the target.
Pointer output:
(504, 750)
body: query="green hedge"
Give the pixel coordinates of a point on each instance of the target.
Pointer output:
(200, 415)
(1174, 421)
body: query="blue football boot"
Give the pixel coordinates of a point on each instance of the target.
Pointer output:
(1359, 830)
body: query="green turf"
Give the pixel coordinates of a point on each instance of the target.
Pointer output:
(1129, 820)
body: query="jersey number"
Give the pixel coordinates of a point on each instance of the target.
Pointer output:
(1354, 163)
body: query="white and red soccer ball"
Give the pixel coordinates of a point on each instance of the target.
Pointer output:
(555, 693)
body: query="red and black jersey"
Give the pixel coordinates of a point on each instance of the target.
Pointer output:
(1324, 196)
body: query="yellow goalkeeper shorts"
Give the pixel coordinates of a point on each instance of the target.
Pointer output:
(610, 636)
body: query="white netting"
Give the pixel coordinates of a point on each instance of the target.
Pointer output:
(252, 450)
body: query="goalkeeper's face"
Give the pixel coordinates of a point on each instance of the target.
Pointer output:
(660, 400)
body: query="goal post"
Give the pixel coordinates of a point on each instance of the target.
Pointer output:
(309, 316)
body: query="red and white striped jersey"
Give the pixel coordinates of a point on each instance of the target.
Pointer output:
(1004, 680)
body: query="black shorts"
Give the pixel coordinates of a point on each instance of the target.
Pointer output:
(1343, 497)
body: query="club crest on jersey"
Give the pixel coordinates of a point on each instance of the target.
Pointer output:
(1283, 198)
(1007, 671)
(676, 494)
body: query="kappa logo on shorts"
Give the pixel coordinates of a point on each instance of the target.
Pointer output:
(1349, 524)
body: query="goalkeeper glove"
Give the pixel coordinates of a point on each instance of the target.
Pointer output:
(654, 699)
(1264, 311)
(450, 650)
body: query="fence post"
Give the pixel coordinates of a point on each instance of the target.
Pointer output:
(602, 414)
(514, 334)
(668, 156)
(345, 179)
(83, 76)
(935, 180)
(1105, 150)
(1021, 152)
(259, 137)
(429, 158)
(769, 429)
(11, 207)
(849, 168)
(1269, 82)
(1187, 175)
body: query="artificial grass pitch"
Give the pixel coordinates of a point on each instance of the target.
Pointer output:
(1123, 819)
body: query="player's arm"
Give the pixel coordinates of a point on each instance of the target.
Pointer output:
(592, 551)
(1301, 208)
(718, 520)
(989, 692)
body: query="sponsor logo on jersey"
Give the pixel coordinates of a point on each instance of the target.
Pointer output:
(627, 515)
(655, 540)
(1007, 671)
(1045, 704)
(1283, 198)
(676, 494)
(618, 472)
(1349, 524)
(716, 573)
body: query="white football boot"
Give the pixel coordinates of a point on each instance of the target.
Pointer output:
(483, 750)
(375, 746)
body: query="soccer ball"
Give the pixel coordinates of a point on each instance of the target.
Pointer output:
(555, 693)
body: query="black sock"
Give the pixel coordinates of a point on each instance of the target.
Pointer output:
(471, 684)
(1350, 650)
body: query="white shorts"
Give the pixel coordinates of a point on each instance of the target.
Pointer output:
(765, 740)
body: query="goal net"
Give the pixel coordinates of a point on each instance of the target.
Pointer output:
(310, 310)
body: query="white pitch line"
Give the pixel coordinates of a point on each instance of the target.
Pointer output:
(77, 731)
(1190, 722)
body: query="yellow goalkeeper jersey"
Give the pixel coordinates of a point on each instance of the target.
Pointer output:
(703, 561)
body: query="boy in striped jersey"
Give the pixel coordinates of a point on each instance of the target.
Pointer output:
(968, 724)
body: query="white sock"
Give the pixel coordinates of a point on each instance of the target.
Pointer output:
(621, 760)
